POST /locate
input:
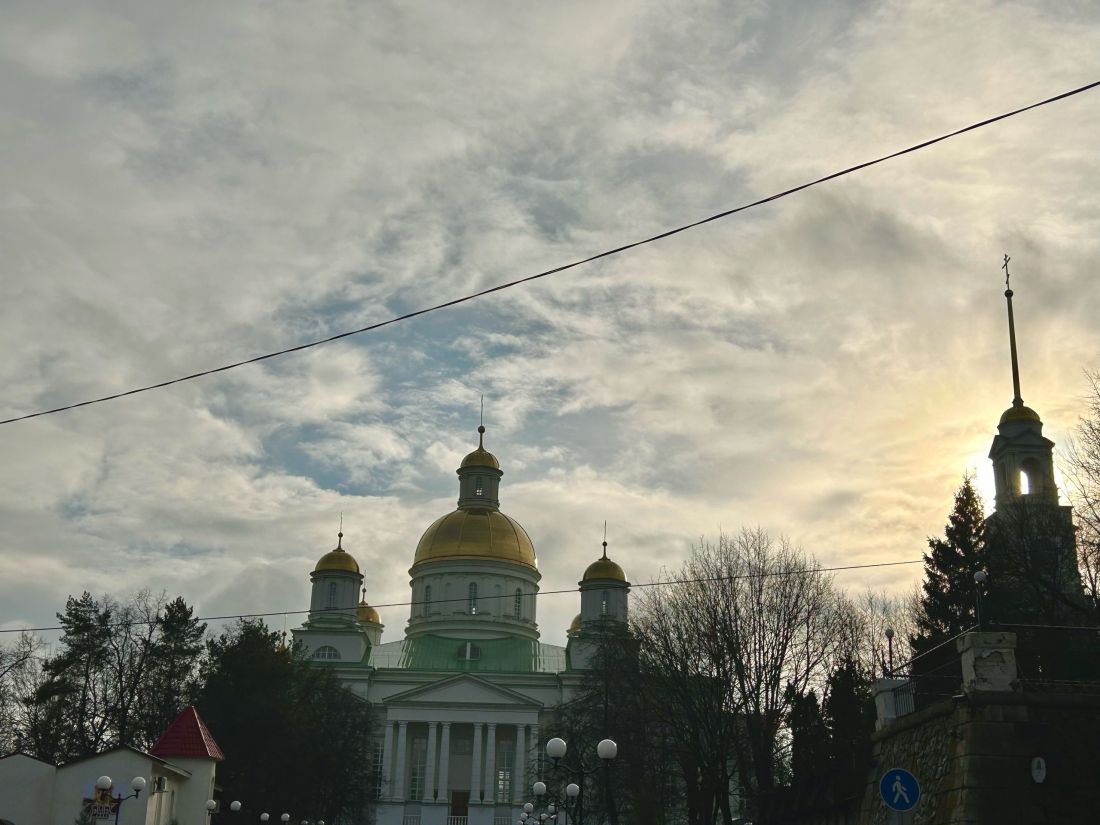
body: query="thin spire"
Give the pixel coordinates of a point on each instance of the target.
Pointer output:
(481, 425)
(605, 538)
(364, 594)
(340, 535)
(1017, 400)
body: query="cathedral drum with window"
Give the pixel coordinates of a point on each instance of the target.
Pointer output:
(466, 698)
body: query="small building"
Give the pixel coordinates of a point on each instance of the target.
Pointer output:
(178, 772)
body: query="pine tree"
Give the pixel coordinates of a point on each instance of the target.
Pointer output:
(950, 595)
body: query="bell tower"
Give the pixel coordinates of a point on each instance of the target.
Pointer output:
(1030, 537)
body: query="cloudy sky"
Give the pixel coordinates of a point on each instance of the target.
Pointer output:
(183, 185)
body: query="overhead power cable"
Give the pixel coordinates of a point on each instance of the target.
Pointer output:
(605, 254)
(665, 583)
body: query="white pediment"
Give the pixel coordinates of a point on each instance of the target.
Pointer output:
(463, 690)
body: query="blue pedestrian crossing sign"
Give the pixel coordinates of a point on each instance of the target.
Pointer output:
(899, 789)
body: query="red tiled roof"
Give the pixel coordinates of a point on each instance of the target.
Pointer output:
(187, 736)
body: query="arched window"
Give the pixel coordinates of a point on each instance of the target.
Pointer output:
(603, 604)
(1025, 483)
(519, 603)
(427, 599)
(473, 598)
(326, 652)
(331, 600)
(478, 486)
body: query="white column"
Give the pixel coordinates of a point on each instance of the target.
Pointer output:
(491, 765)
(402, 751)
(445, 763)
(387, 758)
(519, 768)
(475, 766)
(429, 772)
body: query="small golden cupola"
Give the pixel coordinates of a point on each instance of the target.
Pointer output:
(1023, 459)
(338, 558)
(604, 591)
(336, 582)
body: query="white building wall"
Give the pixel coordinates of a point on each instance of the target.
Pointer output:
(26, 790)
(75, 782)
(193, 795)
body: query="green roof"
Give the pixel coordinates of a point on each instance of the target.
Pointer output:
(509, 655)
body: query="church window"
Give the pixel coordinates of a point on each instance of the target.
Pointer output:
(469, 652)
(603, 604)
(478, 486)
(473, 598)
(418, 768)
(518, 608)
(326, 652)
(1025, 483)
(331, 600)
(427, 599)
(503, 791)
(376, 764)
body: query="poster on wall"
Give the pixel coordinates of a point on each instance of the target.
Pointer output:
(100, 803)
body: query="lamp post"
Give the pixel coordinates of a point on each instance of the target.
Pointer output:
(890, 652)
(980, 578)
(137, 785)
(264, 817)
(556, 748)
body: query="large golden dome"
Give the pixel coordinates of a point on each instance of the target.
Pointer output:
(476, 534)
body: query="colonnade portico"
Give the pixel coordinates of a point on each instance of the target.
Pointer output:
(448, 772)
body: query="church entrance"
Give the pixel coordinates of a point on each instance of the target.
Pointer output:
(460, 803)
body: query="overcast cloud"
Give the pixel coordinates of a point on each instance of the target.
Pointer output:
(183, 185)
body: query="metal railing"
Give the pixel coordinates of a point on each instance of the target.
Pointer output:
(410, 819)
(455, 820)
(905, 699)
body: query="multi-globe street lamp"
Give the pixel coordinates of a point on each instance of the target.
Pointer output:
(573, 802)
(137, 785)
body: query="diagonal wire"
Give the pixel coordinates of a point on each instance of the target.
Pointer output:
(605, 254)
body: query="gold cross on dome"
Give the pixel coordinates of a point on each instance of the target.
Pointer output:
(1004, 266)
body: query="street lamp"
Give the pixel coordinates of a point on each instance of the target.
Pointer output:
(285, 818)
(890, 651)
(980, 578)
(137, 785)
(264, 817)
(556, 748)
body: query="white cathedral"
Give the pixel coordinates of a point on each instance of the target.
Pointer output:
(466, 697)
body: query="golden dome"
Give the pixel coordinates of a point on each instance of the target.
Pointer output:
(476, 534)
(480, 457)
(368, 614)
(1020, 413)
(338, 559)
(575, 625)
(604, 569)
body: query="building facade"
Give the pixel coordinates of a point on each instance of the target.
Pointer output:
(467, 696)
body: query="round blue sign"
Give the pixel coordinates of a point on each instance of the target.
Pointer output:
(899, 789)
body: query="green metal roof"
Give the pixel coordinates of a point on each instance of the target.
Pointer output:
(510, 655)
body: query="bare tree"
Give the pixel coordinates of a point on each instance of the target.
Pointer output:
(1082, 471)
(749, 624)
(19, 664)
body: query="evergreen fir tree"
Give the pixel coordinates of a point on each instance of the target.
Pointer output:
(950, 594)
